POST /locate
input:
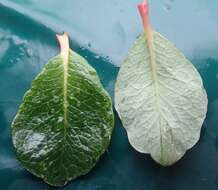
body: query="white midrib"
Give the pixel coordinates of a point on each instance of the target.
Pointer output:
(151, 48)
(64, 45)
(65, 87)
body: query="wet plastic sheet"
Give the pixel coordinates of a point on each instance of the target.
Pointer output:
(103, 31)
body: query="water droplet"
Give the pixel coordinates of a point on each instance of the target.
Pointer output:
(29, 52)
(78, 103)
(60, 119)
(55, 99)
(18, 41)
(4, 46)
(115, 3)
(82, 48)
(34, 140)
(20, 48)
(97, 56)
(38, 120)
(21, 53)
(121, 10)
(167, 6)
(138, 36)
(107, 58)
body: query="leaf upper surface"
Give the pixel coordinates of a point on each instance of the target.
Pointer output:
(63, 126)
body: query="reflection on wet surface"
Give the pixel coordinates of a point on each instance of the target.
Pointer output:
(103, 31)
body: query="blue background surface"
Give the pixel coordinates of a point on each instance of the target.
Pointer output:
(102, 32)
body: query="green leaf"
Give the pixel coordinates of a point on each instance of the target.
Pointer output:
(65, 121)
(159, 97)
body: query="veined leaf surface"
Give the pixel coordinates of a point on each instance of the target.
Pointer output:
(65, 121)
(159, 97)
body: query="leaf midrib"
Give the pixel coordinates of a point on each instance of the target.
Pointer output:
(66, 65)
(64, 53)
(149, 34)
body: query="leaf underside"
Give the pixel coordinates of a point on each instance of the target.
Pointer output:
(163, 104)
(65, 121)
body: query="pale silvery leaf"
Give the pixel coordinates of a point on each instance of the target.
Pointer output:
(160, 98)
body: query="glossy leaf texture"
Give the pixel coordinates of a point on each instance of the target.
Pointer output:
(65, 121)
(160, 98)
